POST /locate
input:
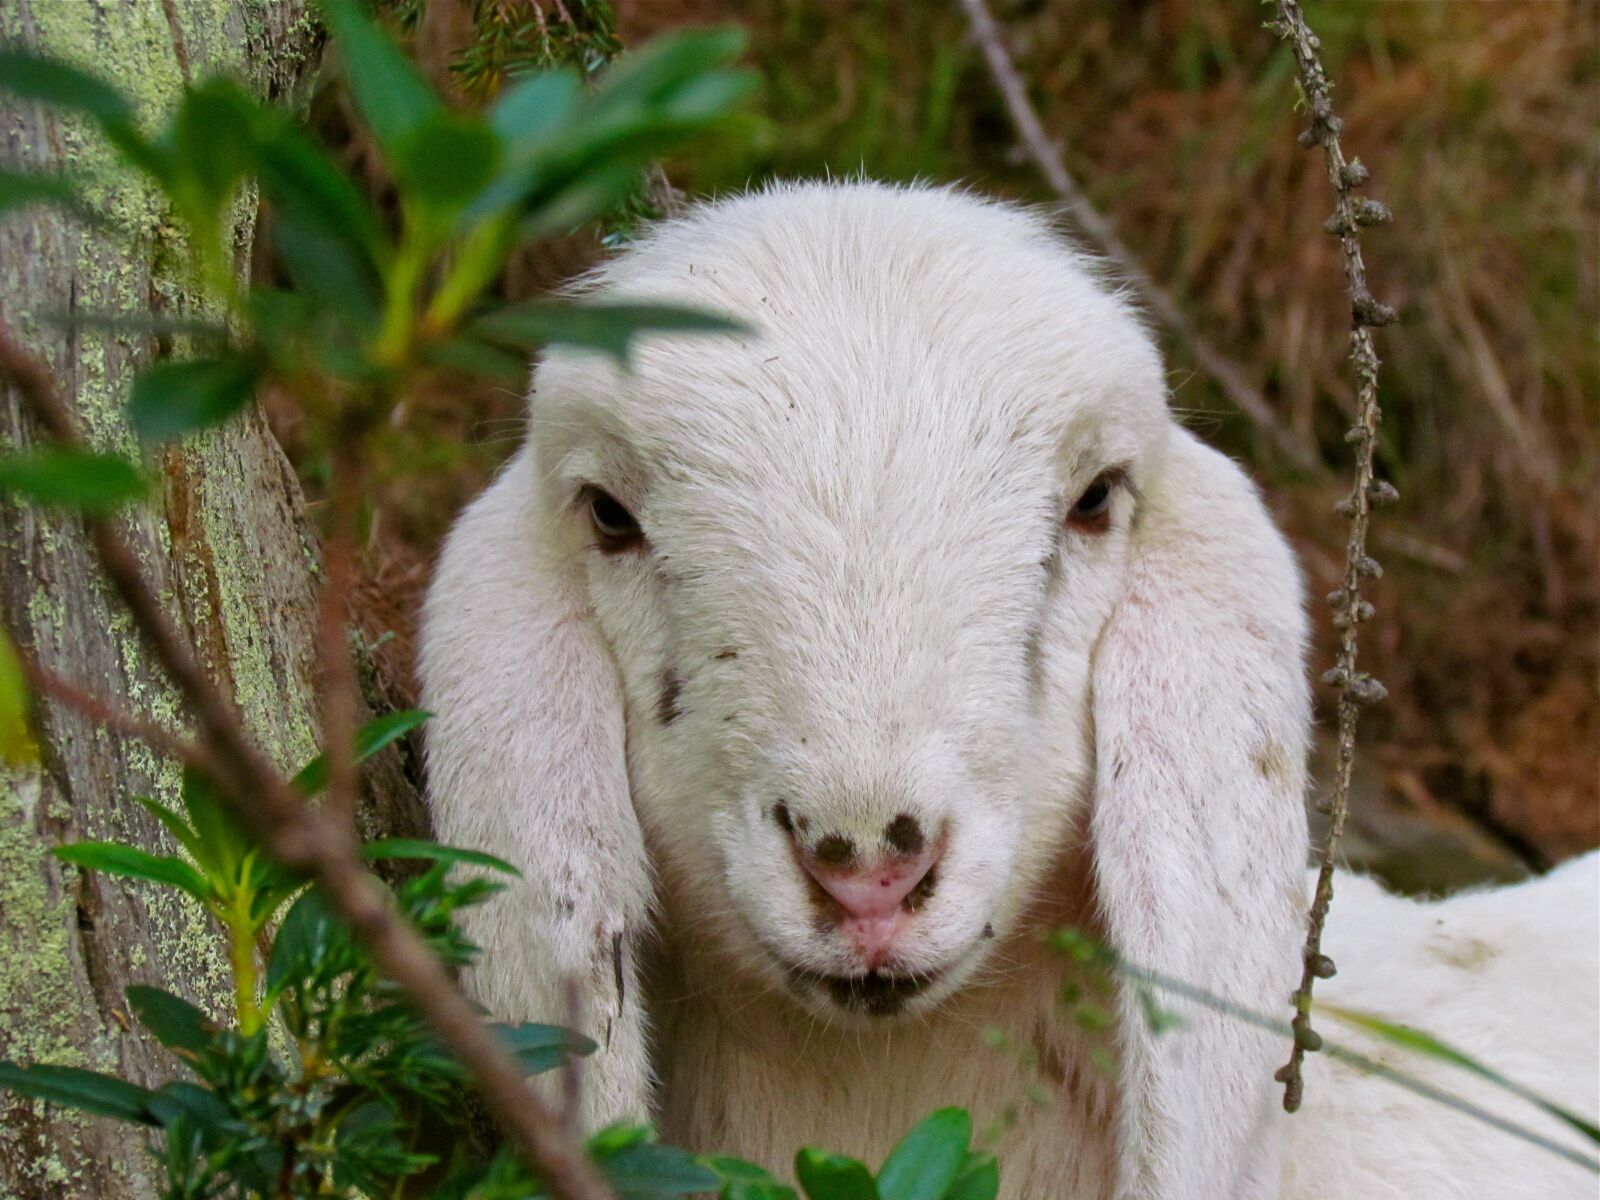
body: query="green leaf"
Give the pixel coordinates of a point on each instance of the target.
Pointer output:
(176, 1023)
(610, 328)
(727, 1168)
(979, 1179)
(541, 1048)
(339, 280)
(827, 1176)
(446, 161)
(172, 399)
(743, 1180)
(223, 842)
(392, 97)
(273, 885)
(710, 96)
(469, 356)
(594, 194)
(34, 77)
(928, 1159)
(17, 745)
(644, 1170)
(754, 1189)
(181, 1100)
(72, 479)
(209, 155)
(434, 852)
(370, 738)
(651, 73)
(309, 939)
(615, 1138)
(20, 191)
(1430, 1046)
(128, 861)
(298, 177)
(88, 1091)
(175, 825)
(532, 106)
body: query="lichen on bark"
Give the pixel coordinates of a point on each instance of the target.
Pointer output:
(226, 541)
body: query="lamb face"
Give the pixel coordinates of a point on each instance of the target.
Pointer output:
(851, 570)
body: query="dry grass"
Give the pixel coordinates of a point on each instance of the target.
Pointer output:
(1478, 121)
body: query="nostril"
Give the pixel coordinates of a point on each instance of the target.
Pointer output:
(904, 835)
(834, 850)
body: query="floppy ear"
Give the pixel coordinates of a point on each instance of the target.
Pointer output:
(526, 760)
(1198, 829)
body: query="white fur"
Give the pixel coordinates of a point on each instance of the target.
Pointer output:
(859, 579)
(1508, 977)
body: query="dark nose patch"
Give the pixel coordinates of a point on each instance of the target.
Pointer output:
(904, 835)
(834, 850)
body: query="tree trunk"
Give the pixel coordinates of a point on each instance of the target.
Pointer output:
(228, 541)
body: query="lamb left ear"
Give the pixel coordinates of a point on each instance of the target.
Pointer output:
(1198, 830)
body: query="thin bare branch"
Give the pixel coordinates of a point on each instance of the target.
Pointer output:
(306, 839)
(104, 713)
(1356, 690)
(1046, 156)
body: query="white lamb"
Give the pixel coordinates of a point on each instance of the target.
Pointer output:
(810, 675)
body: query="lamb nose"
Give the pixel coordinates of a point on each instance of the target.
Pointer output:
(866, 893)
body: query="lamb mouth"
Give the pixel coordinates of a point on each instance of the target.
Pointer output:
(875, 993)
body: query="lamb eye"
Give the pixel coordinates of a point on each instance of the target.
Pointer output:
(613, 524)
(1091, 513)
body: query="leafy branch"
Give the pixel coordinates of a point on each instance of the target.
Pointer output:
(370, 312)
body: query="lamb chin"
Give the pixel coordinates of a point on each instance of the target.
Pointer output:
(872, 994)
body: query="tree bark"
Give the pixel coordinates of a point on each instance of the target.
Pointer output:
(228, 542)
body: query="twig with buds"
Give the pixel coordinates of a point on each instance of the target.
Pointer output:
(1357, 689)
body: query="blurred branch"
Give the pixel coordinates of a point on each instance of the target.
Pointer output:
(317, 843)
(44, 682)
(1046, 155)
(1356, 690)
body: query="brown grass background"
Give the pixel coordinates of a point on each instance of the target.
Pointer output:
(1479, 121)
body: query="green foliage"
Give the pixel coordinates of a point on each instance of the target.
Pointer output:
(376, 303)
(355, 1095)
(370, 738)
(932, 1162)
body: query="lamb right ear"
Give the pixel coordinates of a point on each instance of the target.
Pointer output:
(1198, 830)
(525, 758)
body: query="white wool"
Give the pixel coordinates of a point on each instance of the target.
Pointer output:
(859, 600)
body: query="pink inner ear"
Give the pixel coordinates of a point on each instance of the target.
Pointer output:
(865, 893)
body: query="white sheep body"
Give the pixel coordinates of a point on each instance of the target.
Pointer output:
(857, 599)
